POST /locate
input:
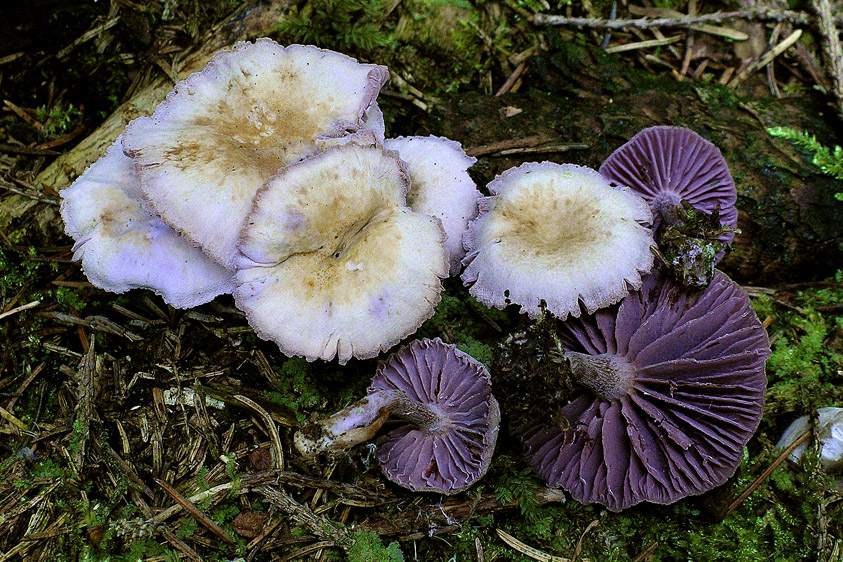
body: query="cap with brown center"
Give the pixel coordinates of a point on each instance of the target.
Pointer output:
(124, 245)
(559, 234)
(222, 132)
(331, 261)
(671, 387)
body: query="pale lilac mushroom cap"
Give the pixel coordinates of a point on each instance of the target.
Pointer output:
(557, 233)
(668, 164)
(440, 186)
(331, 261)
(124, 245)
(224, 131)
(453, 447)
(671, 389)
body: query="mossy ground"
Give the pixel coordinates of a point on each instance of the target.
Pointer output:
(64, 484)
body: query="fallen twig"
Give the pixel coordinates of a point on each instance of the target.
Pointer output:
(764, 475)
(321, 526)
(763, 14)
(765, 59)
(274, 438)
(831, 47)
(192, 509)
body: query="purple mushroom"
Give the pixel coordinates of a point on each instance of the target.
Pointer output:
(443, 420)
(691, 193)
(669, 387)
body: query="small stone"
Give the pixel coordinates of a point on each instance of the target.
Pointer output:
(260, 459)
(249, 523)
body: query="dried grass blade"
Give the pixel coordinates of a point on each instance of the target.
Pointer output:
(192, 509)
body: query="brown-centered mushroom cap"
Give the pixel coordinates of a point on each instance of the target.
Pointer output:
(559, 234)
(124, 245)
(224, 131)
(331, 261)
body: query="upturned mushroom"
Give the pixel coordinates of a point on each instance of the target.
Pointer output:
(123, 244)
(331, 262)
(440, 186)
(224, 131)
(558, 234)
(441, 419)
(691, 192)
(669, 387)
(829, 432)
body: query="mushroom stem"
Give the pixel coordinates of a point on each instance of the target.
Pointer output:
(362, 420)
(609, 377)
(668, 205)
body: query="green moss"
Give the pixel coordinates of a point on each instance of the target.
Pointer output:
(296, 388)
(369, 548)
(804, 370)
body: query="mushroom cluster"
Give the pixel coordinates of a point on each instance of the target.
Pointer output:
(662, 372)
(267, 175)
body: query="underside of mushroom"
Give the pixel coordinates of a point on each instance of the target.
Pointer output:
(671, 387)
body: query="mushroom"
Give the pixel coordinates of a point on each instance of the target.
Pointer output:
(691, 192)
(440, 186)
(124, 245)
(443, 419)
(559, 234)
(224, 131)
(331, 261)
(669, 388)
(829, 431)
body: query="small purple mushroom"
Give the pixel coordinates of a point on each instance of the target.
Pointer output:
(670, 387)
(668, 164)
(682, 176)
(443, 421)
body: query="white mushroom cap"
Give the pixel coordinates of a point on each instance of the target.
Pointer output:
(224, 131)
(124, 245)
(440, 186)
(557, 233)
(332, 263)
